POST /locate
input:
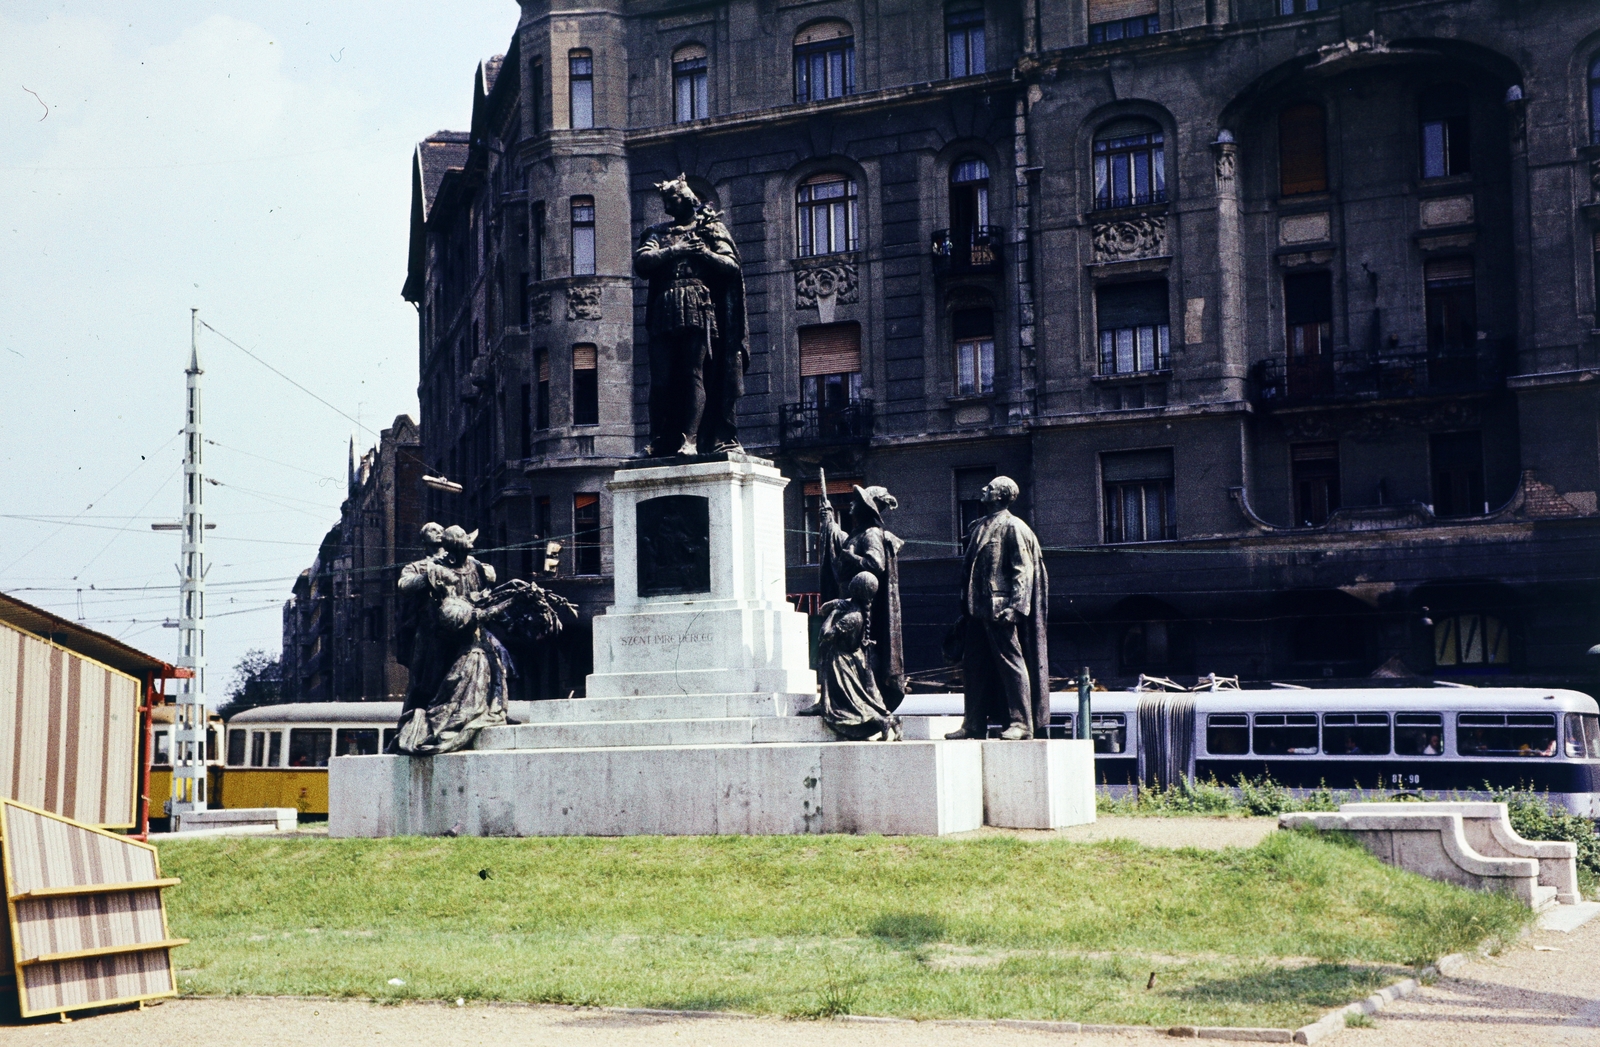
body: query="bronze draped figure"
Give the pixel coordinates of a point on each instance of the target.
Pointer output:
(850, 703)
(695, 318)
(869, 546)
(460, 668)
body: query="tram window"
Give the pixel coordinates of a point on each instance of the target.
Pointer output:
(1228, 734)
(388, 737)
(258, 748)
(1286, 734)
(236, 748)
(1110, 733)
(163, 753)
(358, 741)
(275, 749)
(1355, 734)
(309, 746)
(1506, 734)
(1418, 734)
(1060, 726)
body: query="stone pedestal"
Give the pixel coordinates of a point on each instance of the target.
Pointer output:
(699, 569)
(1040, 784)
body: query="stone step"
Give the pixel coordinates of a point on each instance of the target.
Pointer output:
(662, 707)
(605, 734)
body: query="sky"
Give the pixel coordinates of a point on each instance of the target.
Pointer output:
(250, 160)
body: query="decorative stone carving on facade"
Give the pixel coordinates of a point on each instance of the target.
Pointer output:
(1122, 241)
(1371, 44)
(821, 287)
(583, 303)
(539, 308)
(1226, 159)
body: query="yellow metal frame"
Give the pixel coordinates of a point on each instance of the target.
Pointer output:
(138, 684)
(168, 942)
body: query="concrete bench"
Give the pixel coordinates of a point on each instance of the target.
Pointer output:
(283, 819)
(1489, 832)
(1433, 844)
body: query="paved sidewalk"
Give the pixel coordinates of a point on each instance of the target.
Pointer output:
(1545, 991)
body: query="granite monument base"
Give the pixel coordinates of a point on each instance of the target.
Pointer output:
(1039, 784)
(779, 788)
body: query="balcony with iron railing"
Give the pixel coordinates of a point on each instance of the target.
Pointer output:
(977, 249)
(823, 425)
(1388, 373)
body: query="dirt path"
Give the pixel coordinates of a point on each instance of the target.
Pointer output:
(1545, 991)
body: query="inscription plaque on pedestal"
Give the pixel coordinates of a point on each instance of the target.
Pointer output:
(674, 545)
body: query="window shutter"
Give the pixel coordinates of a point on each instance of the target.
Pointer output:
(689, 52)
(835, 487)
(1319, 452)
(830, 349)
(1597, 242)
(1132, 305)
(1116, 10)
(544, 365)
(1440, 270)
(584, 358)
(972, 323)
(824, 31)
(1123, 466)
(1302, 150)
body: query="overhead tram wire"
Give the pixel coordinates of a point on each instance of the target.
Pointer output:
(360, 424)
(143, 459)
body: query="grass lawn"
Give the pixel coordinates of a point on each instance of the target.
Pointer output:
(914, 927)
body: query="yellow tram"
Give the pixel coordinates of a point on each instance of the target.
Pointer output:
(277, 755)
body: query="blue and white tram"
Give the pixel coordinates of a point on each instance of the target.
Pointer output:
(1417, 739)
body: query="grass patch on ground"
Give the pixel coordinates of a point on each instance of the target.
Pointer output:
(814, 926)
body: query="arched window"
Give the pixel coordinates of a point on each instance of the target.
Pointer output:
(973, 332)
(824, 62)
(690, 98)
(1470, 639)
(1130, 165)
(825, 214)
(1302, 150)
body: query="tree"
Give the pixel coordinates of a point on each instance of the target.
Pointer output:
(257, 680)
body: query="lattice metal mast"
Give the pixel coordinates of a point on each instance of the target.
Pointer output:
(189, 720)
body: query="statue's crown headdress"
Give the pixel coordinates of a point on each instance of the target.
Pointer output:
(680, 182)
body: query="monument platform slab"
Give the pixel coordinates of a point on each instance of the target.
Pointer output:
(728, 730)
(902, 788)
(1038, 784)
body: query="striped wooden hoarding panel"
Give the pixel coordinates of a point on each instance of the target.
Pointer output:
(69, 732)
(87, 924)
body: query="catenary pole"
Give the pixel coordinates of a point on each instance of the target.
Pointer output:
(189, 720)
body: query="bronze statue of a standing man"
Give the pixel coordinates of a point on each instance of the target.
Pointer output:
(699, 347)
(1005, 659)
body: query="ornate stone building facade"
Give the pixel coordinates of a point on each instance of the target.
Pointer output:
(1283, 312)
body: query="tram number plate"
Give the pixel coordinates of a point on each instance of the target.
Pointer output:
(1404, 781)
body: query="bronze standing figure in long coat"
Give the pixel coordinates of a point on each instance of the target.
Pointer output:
(695, 316)
(1005, 658)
